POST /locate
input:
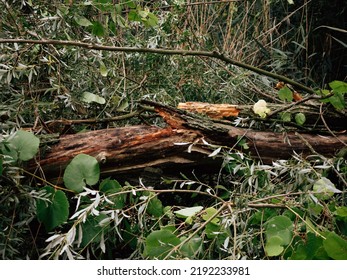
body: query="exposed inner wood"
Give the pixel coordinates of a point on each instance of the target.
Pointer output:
(214, 111)
(177, 145)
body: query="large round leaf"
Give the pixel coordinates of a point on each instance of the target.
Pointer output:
(192, 248)
(23, 145)
(335, 246)
(274, 246)
(81, 171)
(160, 243)
(56, 211)
(155, 207)
(280, 226)
(91, 229)
(110, 188)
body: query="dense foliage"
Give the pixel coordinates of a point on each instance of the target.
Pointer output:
(292, 209)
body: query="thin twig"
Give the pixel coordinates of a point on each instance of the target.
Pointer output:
(200, 3)
(284, 108)
(327, 127)
(96, 120)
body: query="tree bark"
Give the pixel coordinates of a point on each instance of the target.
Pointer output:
(182, 143)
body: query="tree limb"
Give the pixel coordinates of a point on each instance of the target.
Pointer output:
(214, 54)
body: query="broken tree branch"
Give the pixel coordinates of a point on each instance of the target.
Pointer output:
(133, 148)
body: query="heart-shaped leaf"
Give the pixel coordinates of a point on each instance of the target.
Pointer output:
(22, 145)
(274, 246)
(159, 243)
(81, 171)
(285, 94)
(335, 246)
(56, 211)
(110, 188)
(280, 226)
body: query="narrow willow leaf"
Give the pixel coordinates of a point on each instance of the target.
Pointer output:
(215, 152)
(103, 70)
(82, 21)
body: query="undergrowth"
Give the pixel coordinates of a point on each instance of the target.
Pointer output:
(290, 209)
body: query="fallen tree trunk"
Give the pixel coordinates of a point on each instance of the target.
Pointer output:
(180, 144)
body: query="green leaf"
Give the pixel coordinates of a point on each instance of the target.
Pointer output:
(155, 207)
(56, 211)
(323, 92)
(188, 212)
(338, 87)
(159, 244)
(209, 212)
(91, 229)
(300, 118)
(338, 101)
(280, 226)
(192, 248)
(152, 20)
(103, 70)
(274, 246)
(259, 217)
(285, 94)
(212, 230)
(91, 97)
(98, 29)
(103, 5)
(167, 210)
(286, 117)
(341, 211)
(311, 249)
(81, 171)
(242, 143)
(335, 246)
(82, 21)
(22, 145)
(130, 4)
(118, 10)
(134, 16)
(111, 188)
(325, 188)
(143, 14)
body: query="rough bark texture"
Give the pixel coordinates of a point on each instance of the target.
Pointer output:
(134, 148)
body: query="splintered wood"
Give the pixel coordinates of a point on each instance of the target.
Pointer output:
(122, 150)
(214, 111)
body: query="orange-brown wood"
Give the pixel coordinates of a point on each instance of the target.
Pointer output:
(134, 148)
(214, 111)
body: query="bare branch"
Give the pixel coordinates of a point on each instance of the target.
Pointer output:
(214, 54)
